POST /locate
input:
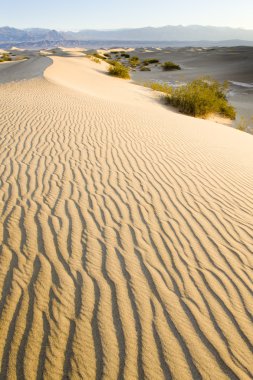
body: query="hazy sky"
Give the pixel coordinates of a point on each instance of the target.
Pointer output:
(109, 14)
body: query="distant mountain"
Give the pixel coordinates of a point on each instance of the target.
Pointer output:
(166, 33)
(8, 34)
(172, 34)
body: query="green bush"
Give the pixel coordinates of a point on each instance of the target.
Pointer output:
(167, 66)
(161, 87)
(124, 55)
(202, 97)
(134, 61)
(111, 62)
(5, 57)
(99, 56)
(93, 58)
(145, 69)
(150, 61)
(119, 70)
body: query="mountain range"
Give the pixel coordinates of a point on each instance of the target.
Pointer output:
(166, 33)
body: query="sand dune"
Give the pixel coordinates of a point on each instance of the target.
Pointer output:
(126, 234)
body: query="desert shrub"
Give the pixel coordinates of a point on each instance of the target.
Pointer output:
(134, 61)
(119, 70)
(96, 60)
(93, 58)
(112, 62)
(202, 97)
(150, 61)
(99, 56)
(167, 66)
(124, 55)
(161, 87)
(145, 69)
(6, 57)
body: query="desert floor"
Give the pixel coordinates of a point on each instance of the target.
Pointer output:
(126, 233)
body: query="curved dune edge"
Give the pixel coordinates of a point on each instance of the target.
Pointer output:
(125, 234)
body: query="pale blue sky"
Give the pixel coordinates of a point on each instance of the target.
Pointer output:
(110, 14)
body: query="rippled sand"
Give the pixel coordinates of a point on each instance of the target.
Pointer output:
(126, 234)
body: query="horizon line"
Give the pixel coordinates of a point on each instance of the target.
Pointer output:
(125, 28)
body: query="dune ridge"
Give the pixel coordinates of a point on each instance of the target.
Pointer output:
(126, 234)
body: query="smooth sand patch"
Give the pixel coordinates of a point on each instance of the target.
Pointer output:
(125, 233)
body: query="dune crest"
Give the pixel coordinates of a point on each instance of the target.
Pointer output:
(125, 233)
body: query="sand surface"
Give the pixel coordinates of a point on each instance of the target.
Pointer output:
(125, 233)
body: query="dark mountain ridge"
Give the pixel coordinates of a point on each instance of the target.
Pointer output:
(165, 33)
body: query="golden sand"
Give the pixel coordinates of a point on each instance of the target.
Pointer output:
(126, 234)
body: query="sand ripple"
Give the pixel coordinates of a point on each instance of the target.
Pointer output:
(126, 240)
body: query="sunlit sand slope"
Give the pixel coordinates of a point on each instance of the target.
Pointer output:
(126, 234)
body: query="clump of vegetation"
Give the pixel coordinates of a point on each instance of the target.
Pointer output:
(96, 60)
(5, 58)
(93, 58)
(168, 66)
(119, 70)
(144, 68)
(99, 56)
(161, 87)
(107, 55)
(150, 61)
(112, 62)
(134, 61)
(125, 55)
(201, 98)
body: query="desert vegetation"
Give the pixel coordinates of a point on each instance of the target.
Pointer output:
(99, 56)
(5, 57)
(144, 68)
(134, 61)
(201, 98)
(168, 66)
(112, 62)
(150, 61)
(94, 58)
(119, 70)
(161, 87)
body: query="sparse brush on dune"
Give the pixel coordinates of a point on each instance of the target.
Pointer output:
(99, 56)
(201, 98)
(150, 61)
(119, 70)
(161, 87)
(93, 58)
(198, 98)
(168, 66)
(134, 61)
(5, 58)
(112, 62)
